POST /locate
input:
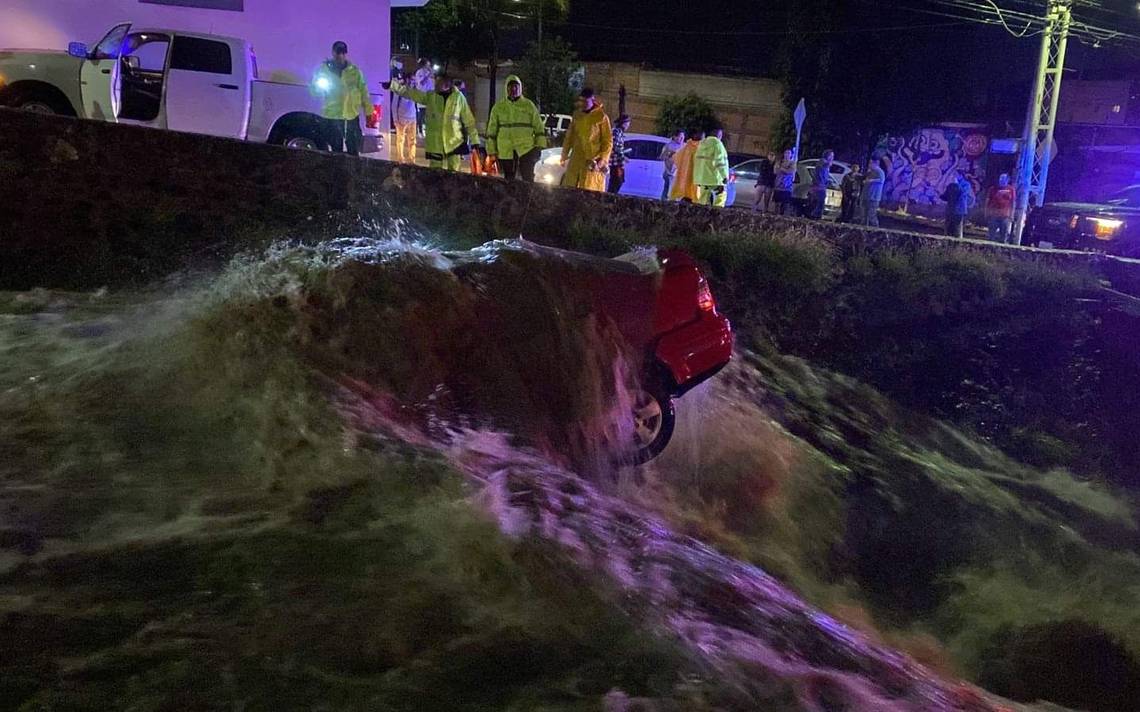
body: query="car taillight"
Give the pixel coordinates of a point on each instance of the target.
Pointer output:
(705, 301)
(373, 121)
(732, 176)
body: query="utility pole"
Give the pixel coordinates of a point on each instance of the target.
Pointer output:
(1041, 118)
(541, 58)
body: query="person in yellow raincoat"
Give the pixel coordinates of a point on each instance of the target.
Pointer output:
(340, 86)
(684, 187)
(710, 170)
(450, 125)
(516, 133)
(587, 146)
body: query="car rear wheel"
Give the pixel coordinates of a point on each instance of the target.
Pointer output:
(302, 143)
(653, 418)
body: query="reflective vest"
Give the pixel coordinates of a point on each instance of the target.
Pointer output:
(711, 164)
(448, 120)
(344, 94)
(515, 128)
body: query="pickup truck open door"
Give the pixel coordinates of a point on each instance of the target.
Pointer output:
(208, 86)
(99, 80)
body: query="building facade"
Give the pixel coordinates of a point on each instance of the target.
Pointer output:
(748, 107)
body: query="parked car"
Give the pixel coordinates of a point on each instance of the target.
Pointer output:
(660, 303)
(556, 124)
(742, 190)
(643, 168)
(1112, 226)
(169, 79)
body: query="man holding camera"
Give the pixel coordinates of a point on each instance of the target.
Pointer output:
(404, 116)
(450, 126)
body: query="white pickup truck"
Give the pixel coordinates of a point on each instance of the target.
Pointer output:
(168, 79)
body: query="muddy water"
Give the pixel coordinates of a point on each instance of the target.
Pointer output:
(143, 422)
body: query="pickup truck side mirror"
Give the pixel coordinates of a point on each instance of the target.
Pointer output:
(77, 49)
(133, 62)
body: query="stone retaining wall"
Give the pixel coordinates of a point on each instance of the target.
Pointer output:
(87, 204)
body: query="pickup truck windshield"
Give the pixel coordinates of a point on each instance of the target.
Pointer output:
(1128, 198)
(111, 46)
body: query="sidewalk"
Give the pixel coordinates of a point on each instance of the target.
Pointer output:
(421, 159)
(898, 220)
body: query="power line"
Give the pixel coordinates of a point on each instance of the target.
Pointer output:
(988, 12)
(769, 33)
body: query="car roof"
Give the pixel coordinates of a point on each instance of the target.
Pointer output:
(645, 137)
(811, 162)
(185, 33)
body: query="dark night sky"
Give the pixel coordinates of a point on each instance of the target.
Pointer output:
(651, 36)
(661, 33)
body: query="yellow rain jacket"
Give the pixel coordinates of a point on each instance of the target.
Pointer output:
(590, 138)
(448, 120)
(344, 94)
(515, 127)
(711, 165)
(683, 185)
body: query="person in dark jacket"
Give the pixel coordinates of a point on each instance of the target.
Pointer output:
(852, 194)
(821, 180)
(765, 183)
(959, 197)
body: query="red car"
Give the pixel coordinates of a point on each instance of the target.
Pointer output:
(661, 304)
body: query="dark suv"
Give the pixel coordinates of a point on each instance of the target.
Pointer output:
(1112, 226)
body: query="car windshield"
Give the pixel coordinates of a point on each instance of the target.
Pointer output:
(111, 46)
(1128, 198)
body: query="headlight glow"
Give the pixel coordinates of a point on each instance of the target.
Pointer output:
(548, 179)
(552, 160)
(323, 84)
(1104, 228)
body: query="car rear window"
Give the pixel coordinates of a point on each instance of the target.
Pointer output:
(644, 150)
(749, 170)
(194, 54)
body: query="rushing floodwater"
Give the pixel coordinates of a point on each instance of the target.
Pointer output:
(169, 415)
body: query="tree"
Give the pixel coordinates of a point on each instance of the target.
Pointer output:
(546, 73)
(461, 31)
(684, 113)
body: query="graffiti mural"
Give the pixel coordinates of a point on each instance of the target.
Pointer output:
(920, 166)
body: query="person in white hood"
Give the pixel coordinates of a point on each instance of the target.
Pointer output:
(404, 113)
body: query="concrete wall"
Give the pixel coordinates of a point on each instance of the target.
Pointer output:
(290, 36)
(88, 204)
(748, 107)
(922, 164)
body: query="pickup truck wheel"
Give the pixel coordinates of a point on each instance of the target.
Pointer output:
(303, 143)
(36, 106)
(653, 419)
(37, 99)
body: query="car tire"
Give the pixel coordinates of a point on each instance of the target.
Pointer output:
(653, 421)
(299, 132)
(39, 101)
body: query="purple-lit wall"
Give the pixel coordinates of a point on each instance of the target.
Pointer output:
(923, 163)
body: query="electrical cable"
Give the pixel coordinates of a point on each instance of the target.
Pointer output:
(769, 33)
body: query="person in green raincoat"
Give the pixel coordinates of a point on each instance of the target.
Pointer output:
(340, 85)
(516, 132)
(710, 170)
(450, 126)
